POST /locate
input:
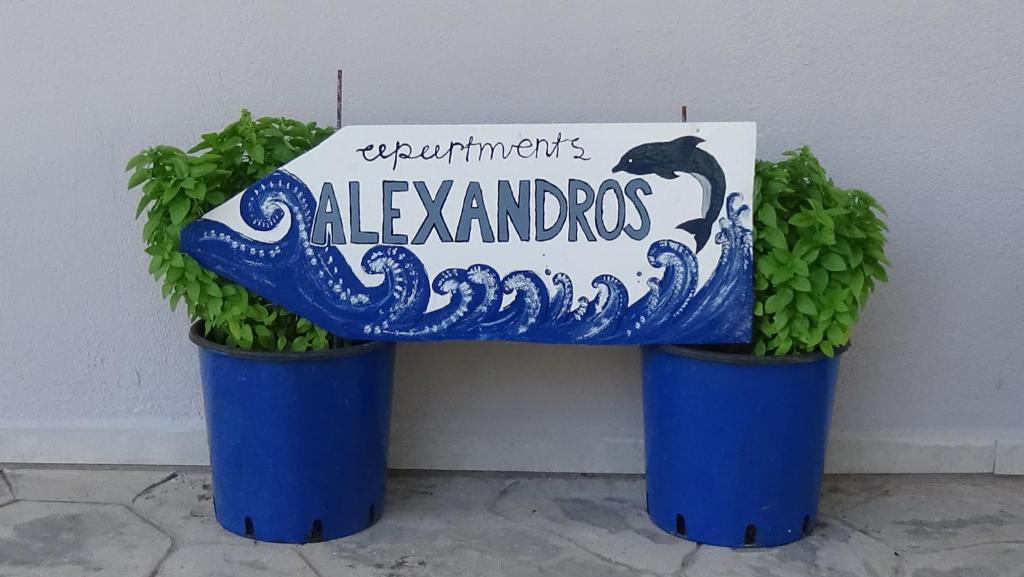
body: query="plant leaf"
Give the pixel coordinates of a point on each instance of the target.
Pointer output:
(179, 209)
(138, 177)
(805, 304)
(833, 262)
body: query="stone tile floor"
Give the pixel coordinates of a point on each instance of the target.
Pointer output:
(158, 522)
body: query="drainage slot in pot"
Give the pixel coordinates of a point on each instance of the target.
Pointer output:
(808, 525)
(750, 535)
(681, 525)
(371, 515)
(249, 531)
(316, 533)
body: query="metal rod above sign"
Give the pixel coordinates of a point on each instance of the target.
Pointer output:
(339, 99)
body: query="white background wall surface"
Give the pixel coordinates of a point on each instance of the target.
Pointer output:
(918, 102)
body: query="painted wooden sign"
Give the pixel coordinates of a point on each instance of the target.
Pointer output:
(574, 233)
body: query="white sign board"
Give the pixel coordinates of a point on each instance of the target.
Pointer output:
(576, 233)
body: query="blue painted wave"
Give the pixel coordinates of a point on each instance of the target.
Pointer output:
(320, 284)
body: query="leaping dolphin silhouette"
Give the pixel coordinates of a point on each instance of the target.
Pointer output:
(665, 159)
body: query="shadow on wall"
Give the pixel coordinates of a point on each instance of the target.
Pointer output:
(511, 396)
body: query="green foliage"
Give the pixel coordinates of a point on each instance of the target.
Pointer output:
(818, 249)
(179, 186)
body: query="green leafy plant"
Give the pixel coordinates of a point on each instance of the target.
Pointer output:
(819, 250)
(179, 186)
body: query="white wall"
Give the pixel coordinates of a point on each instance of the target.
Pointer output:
(919, 103)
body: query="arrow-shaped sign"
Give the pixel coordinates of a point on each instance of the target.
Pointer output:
(574, 233)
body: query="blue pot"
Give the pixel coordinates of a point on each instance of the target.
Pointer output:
(735, 444)
(298, 441)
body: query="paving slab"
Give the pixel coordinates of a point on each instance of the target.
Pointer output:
(840, 493)
(445, 527)
(72, 540)
(832, 550)
(253, 560)
(83, 485)
(455, 545)
(183, 507)
(922, 513)
(455, 524)
(993, 560)
(604, 515)
(428, 492)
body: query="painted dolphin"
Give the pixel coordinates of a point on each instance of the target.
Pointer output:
(682, 155)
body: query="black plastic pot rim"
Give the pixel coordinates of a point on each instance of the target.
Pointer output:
(746, 359)
(195, 334)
